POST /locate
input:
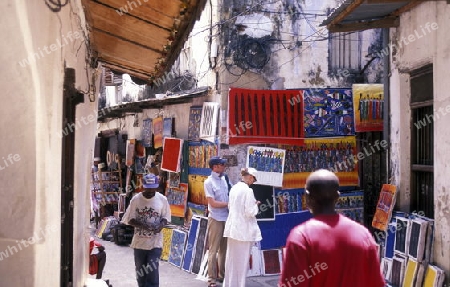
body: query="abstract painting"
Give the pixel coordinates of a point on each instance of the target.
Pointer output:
(328, 112)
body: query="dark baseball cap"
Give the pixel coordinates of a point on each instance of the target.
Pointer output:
(216, 160)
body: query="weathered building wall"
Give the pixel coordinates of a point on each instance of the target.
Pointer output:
(416, 44)
(31, 129)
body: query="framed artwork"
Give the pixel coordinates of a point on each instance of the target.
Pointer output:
(171, 155)
(265, 194)
(158, 132)
(177, 198)
(195, 115)
(147, 132)
(269, 162)
(167, 242)
(189, 251)
(368, 104)
(271, 261)
(209, 121)
(384, 208)
(168, 127)
(199, 249)
(328, 112)
(177, 247)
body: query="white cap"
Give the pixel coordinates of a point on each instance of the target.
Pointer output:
(250, 171)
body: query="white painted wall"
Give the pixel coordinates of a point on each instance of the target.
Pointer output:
(420, 46)
(31, 129)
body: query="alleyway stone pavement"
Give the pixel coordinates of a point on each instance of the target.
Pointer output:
(119, 270)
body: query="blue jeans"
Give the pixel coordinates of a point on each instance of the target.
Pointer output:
(147, 267)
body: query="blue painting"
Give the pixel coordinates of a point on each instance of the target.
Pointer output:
(177, 247)
(189, 252)
(328, 112)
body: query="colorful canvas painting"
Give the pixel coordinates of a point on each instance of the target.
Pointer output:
(189, 250)
(328, 112)
(129, 157)
(384, 207)
(196, 189)
(368, 104)
(171, 156)
(177, 198)
(195, 115)
(147, 132)
(167, 241)
(199, 155)
(177, 247)
(351, 204)
(288, 200)
(158, 132)
(269, 162)
(336, 154)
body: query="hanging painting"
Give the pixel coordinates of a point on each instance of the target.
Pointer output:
(328, 112)
(129, 157)
(158, 132)
(336, 154)
(265, 116)
(177, 198)
(195, 116)
(199, 155)
(385, 205)
(209, 121)
(168, 127)
(147, 127)
(368, 104)
(171, 156)
(269, 162)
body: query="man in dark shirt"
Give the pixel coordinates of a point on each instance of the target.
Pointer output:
(329, 249)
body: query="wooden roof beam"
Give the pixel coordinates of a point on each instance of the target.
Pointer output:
(359, 26)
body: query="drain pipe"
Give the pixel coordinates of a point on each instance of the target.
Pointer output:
(386, 110)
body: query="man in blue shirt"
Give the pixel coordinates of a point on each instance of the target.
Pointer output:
(216, 192)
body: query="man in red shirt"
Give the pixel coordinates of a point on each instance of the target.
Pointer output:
(329, 249)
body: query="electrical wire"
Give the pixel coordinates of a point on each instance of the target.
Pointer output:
(55, 5)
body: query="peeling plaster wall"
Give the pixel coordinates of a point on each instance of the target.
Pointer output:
(31, 128)
(414, 46)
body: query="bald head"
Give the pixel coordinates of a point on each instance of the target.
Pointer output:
(322, 188)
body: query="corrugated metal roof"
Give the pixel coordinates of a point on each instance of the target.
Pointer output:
(353, 15)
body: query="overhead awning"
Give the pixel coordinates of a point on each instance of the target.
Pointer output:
(140, 37)
(355, 15)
